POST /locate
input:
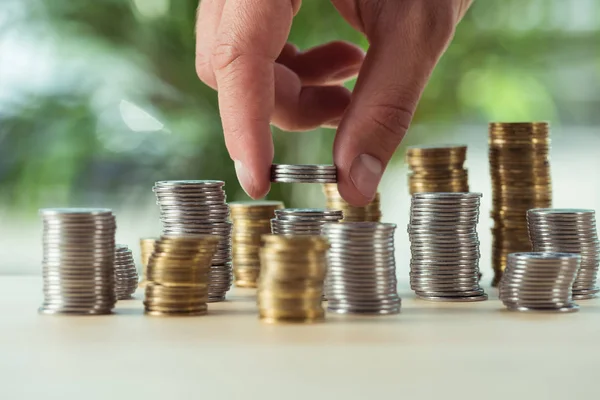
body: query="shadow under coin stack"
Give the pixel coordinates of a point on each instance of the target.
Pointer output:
(251, 220)
(199, 208)
(146, 249)
(291, 279)
(178, 275)
(569, 231)
(437, 169)
(520, 172)
(539, 282)
(369, 213)
(445, 246)
(78, 263)
(126, 276)
(361, 278)
(303, 221)
(286, 173)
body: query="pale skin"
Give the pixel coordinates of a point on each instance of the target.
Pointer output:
(242, 51)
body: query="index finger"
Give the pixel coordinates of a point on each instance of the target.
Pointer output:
(251, 36)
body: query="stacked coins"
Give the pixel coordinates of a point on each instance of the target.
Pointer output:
(361, 276)
(437, 169)
(126, 276)
(146, 248)
(251, 220)
(291, 279)
(539, 282)
(178, 275)
(78, 261)
(369, 213)
(303, 221)
(199, 208)
(569, 231)
(445, 246)
(303, 173)
(520, 171)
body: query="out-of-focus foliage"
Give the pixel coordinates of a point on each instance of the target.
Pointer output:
(99, 99)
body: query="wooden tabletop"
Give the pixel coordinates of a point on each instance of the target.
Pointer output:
(429, 351)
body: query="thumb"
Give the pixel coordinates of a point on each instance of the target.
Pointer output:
(406, 43)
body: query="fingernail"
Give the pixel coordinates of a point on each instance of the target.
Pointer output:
(346, 73)
(244, 177)
(365, 173)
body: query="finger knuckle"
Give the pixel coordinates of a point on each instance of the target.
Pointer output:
(224, 55)
(392, 120)
(203, 67)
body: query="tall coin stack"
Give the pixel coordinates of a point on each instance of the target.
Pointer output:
(251, 220)
(78, 261)
(199, 208)
(569, 231)
(445, 246)
(178, 275)
(437, 169)
(369, 213)
(146, 248)
(520, 172)
(361, 277)
(290, 286)
(126, 276)
(303, 221)
(539, 282)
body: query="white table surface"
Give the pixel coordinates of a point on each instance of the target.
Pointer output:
(429, 351)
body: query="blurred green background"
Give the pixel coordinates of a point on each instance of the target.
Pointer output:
(100, 99)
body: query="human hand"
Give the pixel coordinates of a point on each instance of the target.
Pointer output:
(241, 49)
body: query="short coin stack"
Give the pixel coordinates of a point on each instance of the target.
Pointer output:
(569, 231)
(445, 246)
(283, 173)
(291, 279)
(78, 263)
(178, 275)
(302, 221)
(126, 276)
(146, 248)
(520, 171)
(362, 268)
(437, 169)
(369, 213)
(539, 282)
(251, 220)
(199, 208)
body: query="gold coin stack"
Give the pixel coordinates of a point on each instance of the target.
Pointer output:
(251, 220)
(369, 213)
(437, 169)
(178, 275)
(292, 273)
(146, 248)
(520, 171)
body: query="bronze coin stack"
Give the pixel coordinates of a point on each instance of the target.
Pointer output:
(178, 275)
(369, 213)
(437, 169)
(292, 273)
(520, 172)
(146, 249)
(251, 220)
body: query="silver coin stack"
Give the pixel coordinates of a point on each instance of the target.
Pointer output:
(199, 207)
(303, 221)
(540, 282)
(569, 231)
(78, 261)
(445, 246)
(361, 276)
(303, 173)
(126, 276)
